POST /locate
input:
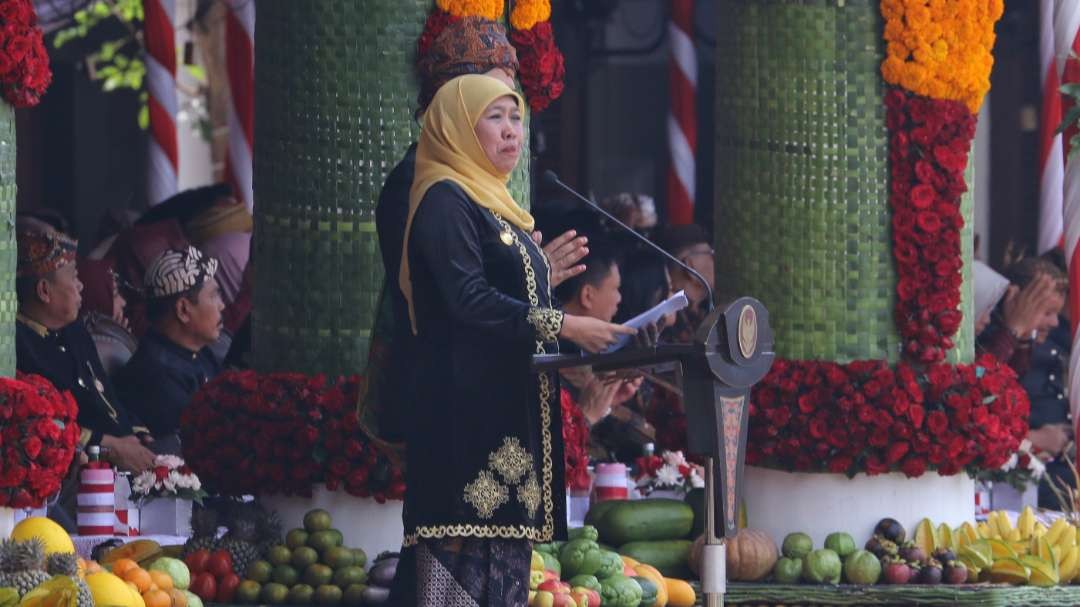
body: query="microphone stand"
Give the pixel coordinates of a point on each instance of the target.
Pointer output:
(553, 179)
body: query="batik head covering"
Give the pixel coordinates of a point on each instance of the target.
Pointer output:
(178, 271)
(469, 45)
(450, 151)
(42, 250)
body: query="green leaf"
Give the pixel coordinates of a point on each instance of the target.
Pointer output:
(121, 61)
(1072, 89)
(101, 9)
(81, 17)
(144, 117)
(112, 83)
(1070, 119)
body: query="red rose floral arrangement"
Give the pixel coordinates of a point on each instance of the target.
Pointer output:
(575, 429)
(865, 416)
(38, 435)
(928, 151)
(246, 433)
(24, 63)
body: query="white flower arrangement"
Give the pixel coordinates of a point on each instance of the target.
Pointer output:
(670, 471)
(170, 477)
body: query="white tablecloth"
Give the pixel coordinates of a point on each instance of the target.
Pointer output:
(84, 544)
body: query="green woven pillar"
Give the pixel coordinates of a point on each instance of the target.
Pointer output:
(802, 215)
(334, 98)
(8, 301)
(334, 93)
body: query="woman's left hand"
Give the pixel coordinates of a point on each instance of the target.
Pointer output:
(563, 254)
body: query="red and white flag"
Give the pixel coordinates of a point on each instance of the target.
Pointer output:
(240, 57)
(682, 117)
(160, 39)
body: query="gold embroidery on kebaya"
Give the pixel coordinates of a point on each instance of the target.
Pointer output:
(486, 494)
(547, 322)
(528, 493)
(511, 460)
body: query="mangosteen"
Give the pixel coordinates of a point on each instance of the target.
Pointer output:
(891, 530)
(944, 555)
(912, 553)
(895, 571)
(955, 573)
(930, 573)
(873, 546)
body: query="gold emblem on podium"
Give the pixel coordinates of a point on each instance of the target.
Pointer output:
(747, 331)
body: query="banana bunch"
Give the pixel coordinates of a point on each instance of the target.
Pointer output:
(1058, 545)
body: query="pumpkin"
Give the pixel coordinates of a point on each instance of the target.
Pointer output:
(751, 555)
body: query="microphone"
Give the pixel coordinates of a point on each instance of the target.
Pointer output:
(552, 179)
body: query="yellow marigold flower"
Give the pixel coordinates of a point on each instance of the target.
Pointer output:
(487, 9)
(940, 48)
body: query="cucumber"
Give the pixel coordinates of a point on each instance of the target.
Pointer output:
(644, 520)
(670, 557)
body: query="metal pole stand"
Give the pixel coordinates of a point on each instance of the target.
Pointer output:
(714, 557)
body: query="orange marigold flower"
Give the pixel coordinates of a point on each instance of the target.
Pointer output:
(940, 48)
(528, 13)
(487, 9)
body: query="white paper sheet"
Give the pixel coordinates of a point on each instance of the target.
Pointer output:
(670, 305)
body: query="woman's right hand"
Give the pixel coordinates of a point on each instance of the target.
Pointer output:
(592, 334)
(1022, 308)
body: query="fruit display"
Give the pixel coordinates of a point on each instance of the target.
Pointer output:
(583, 572)
(22, 564)
(311, 566)
(156, 585)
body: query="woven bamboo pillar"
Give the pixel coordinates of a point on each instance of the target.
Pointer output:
(334, 99)
(8, 301)
(802, 215)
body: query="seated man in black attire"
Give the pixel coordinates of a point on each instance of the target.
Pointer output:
(174, 360)
(49, 341)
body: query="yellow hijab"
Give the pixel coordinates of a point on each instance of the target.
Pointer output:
(449, 150)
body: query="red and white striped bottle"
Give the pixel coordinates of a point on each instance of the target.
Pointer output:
(96, 500)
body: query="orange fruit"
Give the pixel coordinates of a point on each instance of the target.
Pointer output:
(179, 599)
(162, 580)
(139, 577)
(122, 566)
(157, 598)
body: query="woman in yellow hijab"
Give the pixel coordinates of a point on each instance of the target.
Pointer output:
(484, 445)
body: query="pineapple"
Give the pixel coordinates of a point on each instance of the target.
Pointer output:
(270, 531)
(204, 529)
(241, 539)
(27, 562)
(68, 564)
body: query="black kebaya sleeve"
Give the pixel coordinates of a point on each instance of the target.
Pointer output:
(446, 236)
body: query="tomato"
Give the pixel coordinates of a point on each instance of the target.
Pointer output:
(204, 586)
(220, 564)
(196, 561)
(226, 589)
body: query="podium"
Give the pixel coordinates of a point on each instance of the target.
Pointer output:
(731, 351)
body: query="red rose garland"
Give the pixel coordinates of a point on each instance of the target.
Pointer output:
(38, 434)
(24, 63)
(865, 416)
(575, 443)
(928, 151)
(542, 65)
(245, 433)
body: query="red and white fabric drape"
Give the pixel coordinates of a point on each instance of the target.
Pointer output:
(1051, 158)
(160, 38)
(240, 64)
(1066, 44)
(682, 117)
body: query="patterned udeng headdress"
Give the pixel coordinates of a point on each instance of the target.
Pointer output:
(42, 250)
(174, 272)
